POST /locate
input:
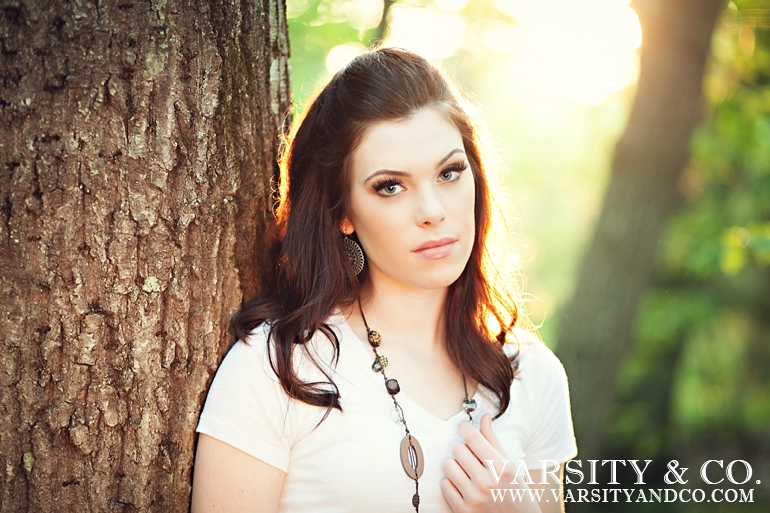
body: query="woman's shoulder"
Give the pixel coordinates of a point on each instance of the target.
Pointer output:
(246, 362)
(253, 347)
(261, 344)
(540, 395)
(252, 362)
(536, 361)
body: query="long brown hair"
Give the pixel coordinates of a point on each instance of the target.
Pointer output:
(311, 277)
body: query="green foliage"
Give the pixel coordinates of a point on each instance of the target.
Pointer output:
(697, 381)
(315, 27)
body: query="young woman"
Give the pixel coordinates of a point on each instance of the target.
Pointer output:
(373, 373)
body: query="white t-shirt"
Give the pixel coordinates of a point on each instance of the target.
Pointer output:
(350, 462)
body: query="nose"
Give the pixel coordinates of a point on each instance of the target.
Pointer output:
(431, 209)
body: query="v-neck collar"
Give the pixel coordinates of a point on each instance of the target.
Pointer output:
(361, 358)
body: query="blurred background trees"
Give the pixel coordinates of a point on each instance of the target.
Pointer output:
(642, 193)
(555, 81)
(697, 379)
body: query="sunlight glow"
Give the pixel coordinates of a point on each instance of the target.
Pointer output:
(581, 51)
(431, 32)
(451, 5)
(340, 55)
(500, 36)
(364, 14)
(295, 8)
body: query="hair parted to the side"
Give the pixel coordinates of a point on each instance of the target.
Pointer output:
(310, 277)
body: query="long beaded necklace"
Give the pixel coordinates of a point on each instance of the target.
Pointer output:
(411, 452)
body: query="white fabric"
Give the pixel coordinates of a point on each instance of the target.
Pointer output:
(350, 462)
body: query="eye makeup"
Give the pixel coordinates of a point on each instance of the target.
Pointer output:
(386, 186)
(390, 186)
(453, 170)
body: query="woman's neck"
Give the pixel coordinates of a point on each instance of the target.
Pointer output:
(411, 325)
(405, 314)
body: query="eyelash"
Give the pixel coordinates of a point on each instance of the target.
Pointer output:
(454, 168)
(383, 183)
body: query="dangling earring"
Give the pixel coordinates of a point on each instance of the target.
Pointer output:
(354, 253)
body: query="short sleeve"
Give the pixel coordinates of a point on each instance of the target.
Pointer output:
(246, 406)
(546, 400)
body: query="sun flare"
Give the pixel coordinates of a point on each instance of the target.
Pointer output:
(580, 51)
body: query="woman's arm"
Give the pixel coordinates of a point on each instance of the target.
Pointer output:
(227, 480)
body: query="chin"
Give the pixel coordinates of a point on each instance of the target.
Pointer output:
(431, 281)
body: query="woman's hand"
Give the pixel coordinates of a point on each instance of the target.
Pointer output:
(468, 484)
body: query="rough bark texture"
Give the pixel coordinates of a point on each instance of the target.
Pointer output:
(138, 144)
(643, 193)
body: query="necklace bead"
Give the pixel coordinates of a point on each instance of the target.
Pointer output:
(412, 458)
(374, 338)
(379, 363)
(392, 386)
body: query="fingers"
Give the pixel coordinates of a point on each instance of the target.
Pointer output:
(469, 481)
(451, 494)
(484, 443)
(489, 434)
(464, 491)
(467, 470)
(457, 475)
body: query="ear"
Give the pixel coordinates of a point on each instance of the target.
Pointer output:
(346, 226)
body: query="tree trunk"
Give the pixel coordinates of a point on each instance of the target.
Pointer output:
(642, 194)
(138, 146)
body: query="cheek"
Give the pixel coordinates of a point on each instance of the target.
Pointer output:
(470, 200)
(357, 214)
(372, 225)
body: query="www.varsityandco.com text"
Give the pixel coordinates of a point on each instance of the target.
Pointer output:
(719, 481)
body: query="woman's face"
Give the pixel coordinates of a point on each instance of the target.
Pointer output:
(412, 201)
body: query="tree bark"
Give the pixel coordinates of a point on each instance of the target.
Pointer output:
(139, 141)
(643, 192)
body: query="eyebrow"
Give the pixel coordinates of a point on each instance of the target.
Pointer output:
(403, 173)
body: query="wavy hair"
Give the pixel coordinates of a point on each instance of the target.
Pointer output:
(308, 275)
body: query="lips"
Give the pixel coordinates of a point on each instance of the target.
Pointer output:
(435, 249)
